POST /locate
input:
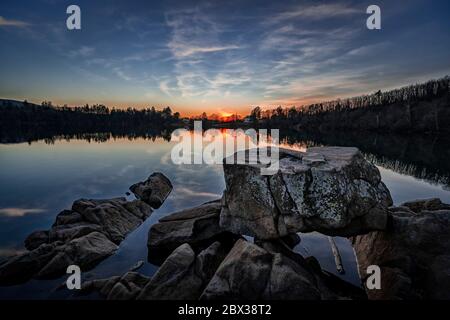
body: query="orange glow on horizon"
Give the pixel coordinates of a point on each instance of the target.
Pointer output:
(213, 112)
(226, 114)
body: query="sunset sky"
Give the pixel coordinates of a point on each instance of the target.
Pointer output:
(217, 56)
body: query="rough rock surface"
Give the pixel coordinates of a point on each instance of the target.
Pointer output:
(250, 272)
(332, 190)
(154, 190)
(413, 254)
(199, 227)
(52, 259)
(183, 275)
(84, 236)
(126, 287)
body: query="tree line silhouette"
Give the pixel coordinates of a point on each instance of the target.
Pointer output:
(29, 121)
(420, 107)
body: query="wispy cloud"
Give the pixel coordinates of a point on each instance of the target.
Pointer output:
(181, 50)
(18, 212)
(303, 57)
(315, 12)
(204, 62)
(12, 23)
(293, 58)
(164, 87)
(209, 56)
(183, 192)
(83, 51)
(121, 74)
(194, 32)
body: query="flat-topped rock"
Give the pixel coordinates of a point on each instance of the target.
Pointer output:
(198, 226)
(332, 190)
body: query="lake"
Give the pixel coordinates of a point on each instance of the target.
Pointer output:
(40, 178)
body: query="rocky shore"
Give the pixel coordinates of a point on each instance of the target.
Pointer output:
(86, 234)
(241, 246)
(413, 254)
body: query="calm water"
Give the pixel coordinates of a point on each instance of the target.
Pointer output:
(41, 178)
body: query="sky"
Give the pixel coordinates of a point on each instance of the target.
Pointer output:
(217, 56)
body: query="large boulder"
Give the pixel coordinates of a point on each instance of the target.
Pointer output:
(331, 190)
(117, 217)
(250, 272)
(84, 235)
(413, 254)
(154, 190)
(184, 275)
(198, 227)
(113, 217)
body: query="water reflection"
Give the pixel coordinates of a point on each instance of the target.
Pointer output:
(421, 156)
(50, 137)
(43, 177)
(18, 212)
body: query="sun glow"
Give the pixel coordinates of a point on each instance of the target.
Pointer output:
(225, 114)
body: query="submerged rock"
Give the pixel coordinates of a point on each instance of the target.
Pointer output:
(331, 190)
(419, 206)
(413, 254)
(137, 266)
(154, 190)
(84, 236)
(198, 227)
